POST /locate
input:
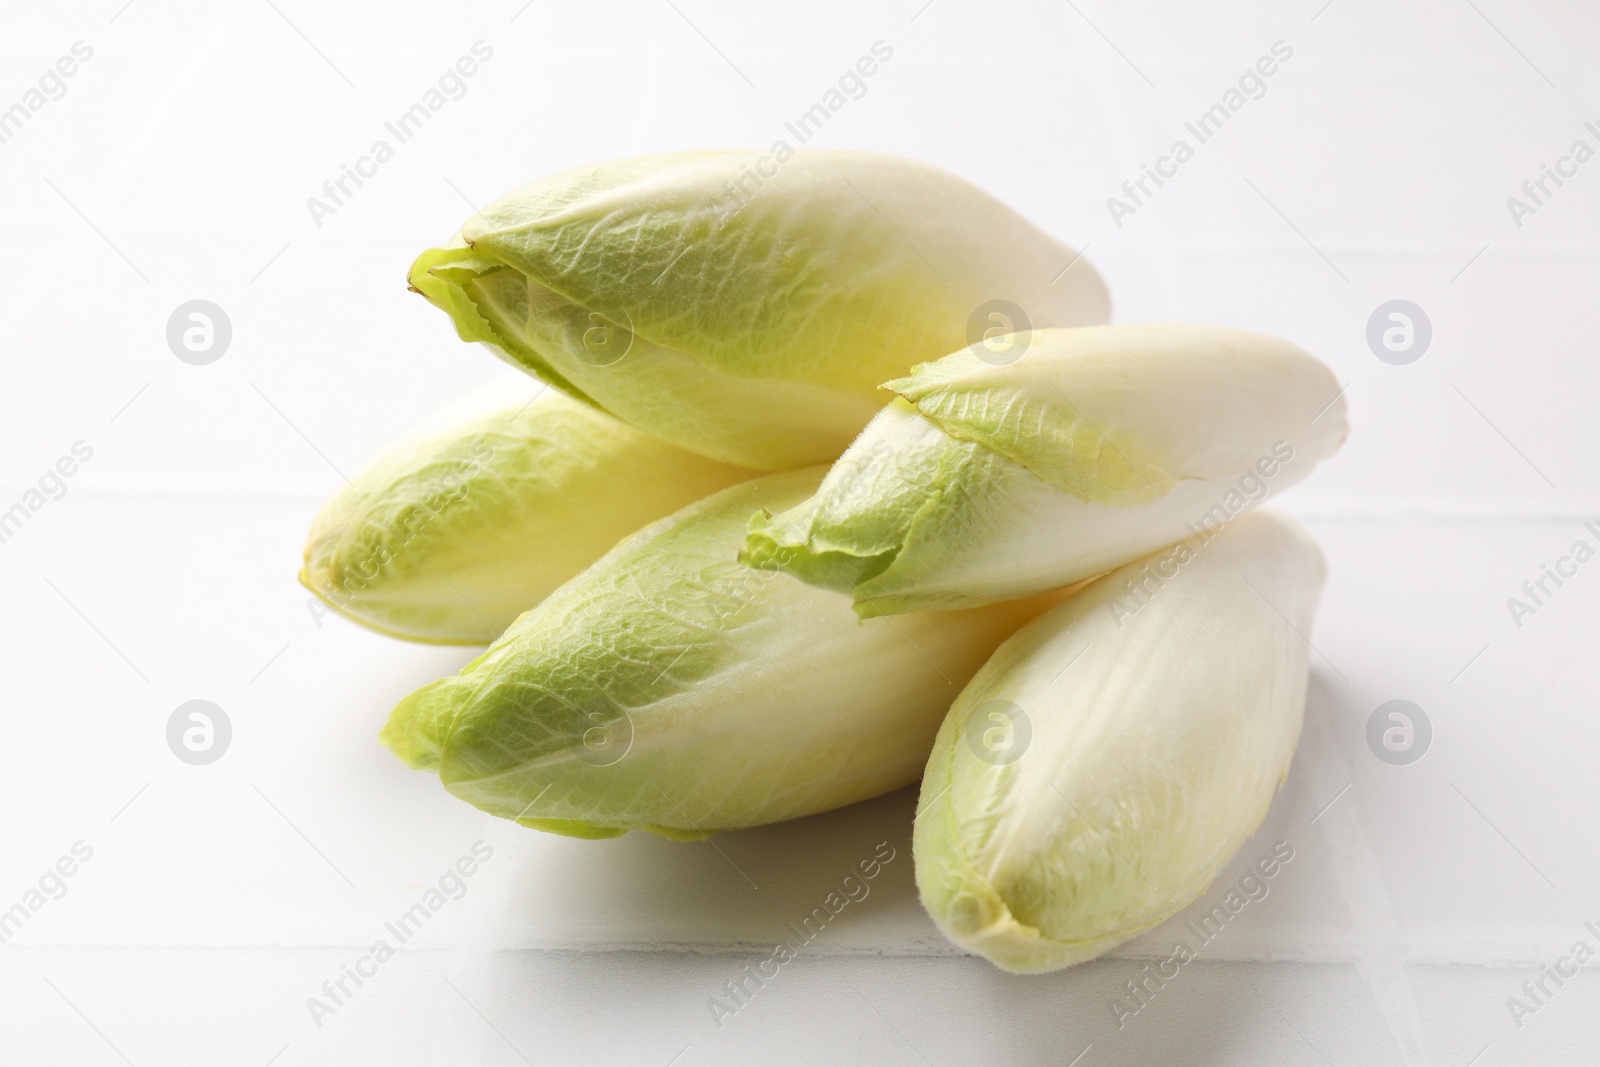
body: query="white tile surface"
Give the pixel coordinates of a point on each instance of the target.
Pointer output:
(218, 899)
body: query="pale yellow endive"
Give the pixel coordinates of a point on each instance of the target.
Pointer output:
(987, 480)
(1112, 756)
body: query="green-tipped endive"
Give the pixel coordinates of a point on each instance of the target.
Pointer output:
(1111, 758)
(747, 305)
(670, 688)
(477, 514)
(986, 480)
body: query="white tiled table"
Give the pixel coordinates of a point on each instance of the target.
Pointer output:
(218, 899)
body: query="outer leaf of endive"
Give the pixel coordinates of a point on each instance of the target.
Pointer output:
(477, 514)
(984, 482)
(670, 688)
(746, 310)
(1158, 736)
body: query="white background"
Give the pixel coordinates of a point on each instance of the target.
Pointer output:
(218, 899)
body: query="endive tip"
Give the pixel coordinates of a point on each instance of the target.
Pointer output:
(770, 549)
(319, 583)
(419, 725)
(898, 385)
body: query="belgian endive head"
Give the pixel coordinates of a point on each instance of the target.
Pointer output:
(1109, 760)
(670, 688)
(477, 513)
(747, 305)
(1065, 453)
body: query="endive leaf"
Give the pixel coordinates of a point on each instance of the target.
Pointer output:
(670, 688)
(1111, 757)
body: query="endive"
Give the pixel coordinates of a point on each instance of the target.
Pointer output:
(669, 688)
(477, 514)
(982, 481)
(1108, 761)
(746, 306)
